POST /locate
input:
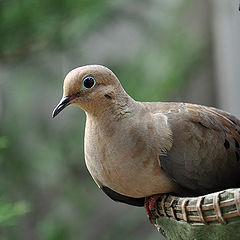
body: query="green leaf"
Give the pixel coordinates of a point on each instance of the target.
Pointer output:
(10, 212)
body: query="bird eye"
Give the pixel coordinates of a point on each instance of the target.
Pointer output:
(89, 82)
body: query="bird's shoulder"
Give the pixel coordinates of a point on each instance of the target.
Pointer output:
(205, 146)
(184, 113)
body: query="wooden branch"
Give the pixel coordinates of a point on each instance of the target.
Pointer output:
(212, 216)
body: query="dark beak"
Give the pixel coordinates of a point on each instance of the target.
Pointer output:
(64, 102)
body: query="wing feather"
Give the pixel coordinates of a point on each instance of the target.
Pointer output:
(205, 153)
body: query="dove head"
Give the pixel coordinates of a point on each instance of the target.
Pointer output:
(92, 88)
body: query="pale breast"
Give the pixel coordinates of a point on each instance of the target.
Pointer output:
(124, 157)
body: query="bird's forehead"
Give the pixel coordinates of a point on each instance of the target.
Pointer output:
(74, 76)
(73, 80)
(77, 74)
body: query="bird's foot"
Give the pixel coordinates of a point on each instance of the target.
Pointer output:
(150, 207)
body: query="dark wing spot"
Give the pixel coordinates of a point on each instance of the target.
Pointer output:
(226, 144)
(237, 156)
(200, 123)
(233, 121)
(236, 143)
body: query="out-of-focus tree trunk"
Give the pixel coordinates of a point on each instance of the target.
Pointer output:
(226, 44)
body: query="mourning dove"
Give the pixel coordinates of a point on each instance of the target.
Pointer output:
(134, 150)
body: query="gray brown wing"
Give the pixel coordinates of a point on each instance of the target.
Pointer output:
(205, 153)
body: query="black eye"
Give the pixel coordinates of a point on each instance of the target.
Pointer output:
(88, 82)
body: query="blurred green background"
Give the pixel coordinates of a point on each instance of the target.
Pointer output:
(160, 50)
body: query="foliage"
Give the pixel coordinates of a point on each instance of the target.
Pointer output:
(29, 25)
(9, 212)
(180, 230)
(42, 164)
